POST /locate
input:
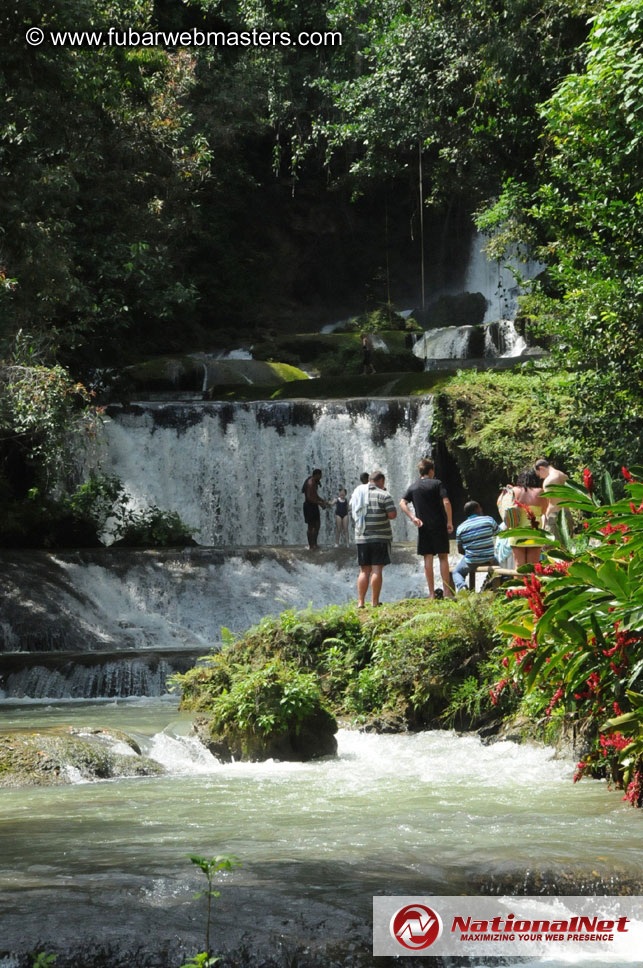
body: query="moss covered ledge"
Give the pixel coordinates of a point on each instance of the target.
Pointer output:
(410, 665)
(68, 754)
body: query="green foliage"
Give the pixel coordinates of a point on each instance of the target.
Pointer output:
(380, 320)
(271, 700)
(97, 500)
(403, 660)
(460, 80)
(583, 214)
(43, 960)
(577, 630)
(201, 960)
(210, 867)
(495, 423)
(468, 700)
(39, 407)
(152, 527)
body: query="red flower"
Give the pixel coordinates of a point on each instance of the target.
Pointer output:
(554, 699)
(588, 480)
(496, 690)
(626, 474)
(635, 790)
(615, 741)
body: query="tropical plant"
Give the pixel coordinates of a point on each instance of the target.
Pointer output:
(577, 628)
(222, 863)
(151, 527)
(43, 960)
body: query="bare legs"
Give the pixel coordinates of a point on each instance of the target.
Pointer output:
(312, 532)
(445, 574)
(369, 574)
(527, 555)
(341, 529)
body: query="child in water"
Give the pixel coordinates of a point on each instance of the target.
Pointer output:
(341, 518)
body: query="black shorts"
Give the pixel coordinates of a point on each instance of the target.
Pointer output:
(311, 513)
(433, 542)
(374, 553)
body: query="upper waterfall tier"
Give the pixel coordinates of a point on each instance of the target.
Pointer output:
(235, 472)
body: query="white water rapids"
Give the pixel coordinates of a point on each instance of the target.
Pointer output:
(427, 813)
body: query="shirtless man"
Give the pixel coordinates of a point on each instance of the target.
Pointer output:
(550, 475)
(312, 503)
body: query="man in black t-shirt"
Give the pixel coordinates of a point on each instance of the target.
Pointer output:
(433, 517)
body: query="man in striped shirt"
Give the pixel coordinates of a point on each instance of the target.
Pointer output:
(475, 537)
(373, 538)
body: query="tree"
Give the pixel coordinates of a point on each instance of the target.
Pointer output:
(459, 79)
(589, 212)
(99, 174)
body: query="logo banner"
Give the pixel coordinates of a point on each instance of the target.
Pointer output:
(501, 926)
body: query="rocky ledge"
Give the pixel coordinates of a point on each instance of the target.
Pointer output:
(68, 754)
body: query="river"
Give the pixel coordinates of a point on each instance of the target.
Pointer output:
(102, 868)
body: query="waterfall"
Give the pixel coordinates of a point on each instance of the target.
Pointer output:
(493, 341)
(117, 677)
(117, 622)
(235, 471)
(503, 340)
(496, 280)
(444, 343)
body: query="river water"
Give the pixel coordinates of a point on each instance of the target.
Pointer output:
(103, 867)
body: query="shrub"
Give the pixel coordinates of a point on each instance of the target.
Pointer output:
(153, 528)
(406, 659)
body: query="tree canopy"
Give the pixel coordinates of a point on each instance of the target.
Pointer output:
(162, 199)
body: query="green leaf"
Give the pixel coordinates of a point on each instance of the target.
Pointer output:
(614, 579)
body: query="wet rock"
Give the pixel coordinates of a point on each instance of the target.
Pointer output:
(315, 738)
(54, 757)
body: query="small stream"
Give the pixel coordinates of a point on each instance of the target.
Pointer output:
(103, 867)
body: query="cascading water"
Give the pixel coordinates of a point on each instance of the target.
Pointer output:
(497, 280)
(444, 343)
(499, 340)
(235, 471)
(116, 622)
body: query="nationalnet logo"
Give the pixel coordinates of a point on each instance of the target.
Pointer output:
(416, 926)
(455, 925)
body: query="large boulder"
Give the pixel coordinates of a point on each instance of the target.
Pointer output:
(315, 738)
(258, 711)
(199, 373)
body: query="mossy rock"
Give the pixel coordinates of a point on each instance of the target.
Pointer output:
(199, 373)
(399, 667)
(335, 354)
(349, 386)
(61, 755)
(314, 738)
(266, 708)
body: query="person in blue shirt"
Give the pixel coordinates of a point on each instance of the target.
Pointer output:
(475, 537)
